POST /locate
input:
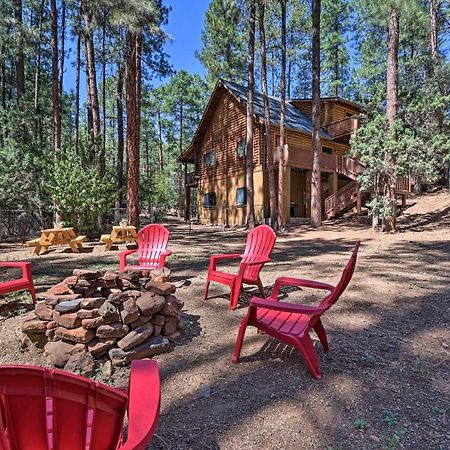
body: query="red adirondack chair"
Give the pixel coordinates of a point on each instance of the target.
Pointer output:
(43, 409)
(292, 323)
(20, 284)
(260, 242)
(152, 249)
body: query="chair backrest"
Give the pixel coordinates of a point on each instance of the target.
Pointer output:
(152, 241)
(346, 276)
(50, 409)
(260, 242)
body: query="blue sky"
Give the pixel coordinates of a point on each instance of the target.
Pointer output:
(186, 20)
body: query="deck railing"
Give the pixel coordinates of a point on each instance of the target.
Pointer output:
(341, 199)
(191, 179)
(343, 127)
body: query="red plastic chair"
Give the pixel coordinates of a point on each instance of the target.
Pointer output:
(260, 242)
(152, 249)
(292, 323)
(44, 409)
(20, 284)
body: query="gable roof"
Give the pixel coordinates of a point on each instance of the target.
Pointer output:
(295, 119)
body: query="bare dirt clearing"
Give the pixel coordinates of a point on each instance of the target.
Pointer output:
(385, 380)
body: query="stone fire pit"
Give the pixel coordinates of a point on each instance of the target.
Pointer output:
(120, 316)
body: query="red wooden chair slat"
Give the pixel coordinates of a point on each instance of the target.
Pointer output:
(69, 412)
(260, 242)
(292, 323)
(25, 283)
(152, 249)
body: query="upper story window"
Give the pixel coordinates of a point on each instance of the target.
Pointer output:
(209, 200)
(241, 148)
(210, 159)
(241, 196)
(327, 150)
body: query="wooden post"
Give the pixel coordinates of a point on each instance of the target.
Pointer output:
(403, 201)
(358, 201)
(333, 181)
(187, 203)
(287, 194)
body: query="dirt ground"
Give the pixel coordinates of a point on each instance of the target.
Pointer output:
(385, 379)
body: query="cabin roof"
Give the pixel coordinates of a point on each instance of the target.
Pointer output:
(295, 119)
(336, 99)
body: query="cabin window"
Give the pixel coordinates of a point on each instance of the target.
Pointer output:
(327, 150)
(241, 196)
(210, 158)
(241, 148)
(209, 200)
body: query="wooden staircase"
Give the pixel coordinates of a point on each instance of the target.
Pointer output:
(342, 200)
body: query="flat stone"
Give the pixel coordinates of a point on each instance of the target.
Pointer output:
(87, 274)
(58, 352)
(34, 326)
(162, 272)
(85, 292)
(151, 347)
(117, 298)
(140, 321)
(37, 340)
(160, 287)
(81, 364)
(70, 281)
(158, 319)
(30, 316)
(127, 284)
(99, 348)
(170, 326)
(157, 330)
(59, 289)
(149, 303)
(43, 311)
(133, 293)
(132, 275)
(113, 330)
(83, 283)
(52, 324)
(130, 311)
(75, 335)
(175, 336)
(50, 333)
(107, 369)
(108, 280)
(92, 302)
(88, 313)
(67, 320)
(71, 305)
(96, 322)
(53, 300)
(136, 337)
(172, 307)
(107, 309)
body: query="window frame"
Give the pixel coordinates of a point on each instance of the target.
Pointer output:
(214, 157)
(241, 205)
(208, 195)
(243, 140)
(328, 148)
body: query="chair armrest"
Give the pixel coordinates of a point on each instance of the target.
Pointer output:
(287, 281)
(256, 262)
(143, 404)
(257, 302)
(25, 266)
(226, 256)
(166, 253)
(123, 258)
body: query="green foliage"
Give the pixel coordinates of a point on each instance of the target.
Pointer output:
(390, 418)
(359, 424)
(78, 193)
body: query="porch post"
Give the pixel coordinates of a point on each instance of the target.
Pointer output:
(358, 201)
(287, 194)
(187, 203)
(334, 183)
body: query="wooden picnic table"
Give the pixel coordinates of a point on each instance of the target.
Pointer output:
(119, 235)
(57, 236)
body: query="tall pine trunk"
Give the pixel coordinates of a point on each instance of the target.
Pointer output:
(391, 113)
(434, 8)
(250, 219)
(37, 79)
(103, 154)
(133, 48)
(77, 93)
(160, 142)
(63, 39)
(55, 80)
(267, 127)
(20, 59)
(282, 152)
(120, 143)
(180, 166)
(316, 201)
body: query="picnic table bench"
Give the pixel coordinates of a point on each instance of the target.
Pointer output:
(57, 236)
(119, 235)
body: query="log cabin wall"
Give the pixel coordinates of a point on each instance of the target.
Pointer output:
(226, 128)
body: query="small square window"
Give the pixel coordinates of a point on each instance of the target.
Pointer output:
(241, 148)
(327, 150)
(210, 158)
(241, 196)
(209, 200)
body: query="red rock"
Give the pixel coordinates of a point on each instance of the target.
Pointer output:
(158, 319)
(160, 287)
(130, 312)
(172, 307)
(113, 330)
(157, 330)
(43, 311)
(175, 336)
(170, 326)
(136, 337)
(53, 300)
(81, 364)
(162, 272)
(70, 281)
(92, 302)
(140, 321)
(96, 322)
(149, 303)
(34, 326)
(87, 274)
(59, 289)
(75, 335)
(98, 348)
(58, 352)
(67, 320)
(131, 275)
(151, 347)
(88, 313)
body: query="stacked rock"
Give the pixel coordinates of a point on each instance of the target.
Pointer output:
(124, 316)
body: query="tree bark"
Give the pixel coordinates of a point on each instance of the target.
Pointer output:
(434, 9)
(267, 128)
(391, 113)
(37, 77)
(160, 142)
(55, 80)
(316, 201)
(281, 162)
(77, 90)
(250, 88)
(93, 95)
(20, 60)
(63, 39)
(133, 48)
(120, 143)
(103, 153)
(180, 166)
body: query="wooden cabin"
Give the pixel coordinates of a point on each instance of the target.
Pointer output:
(215, 161)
